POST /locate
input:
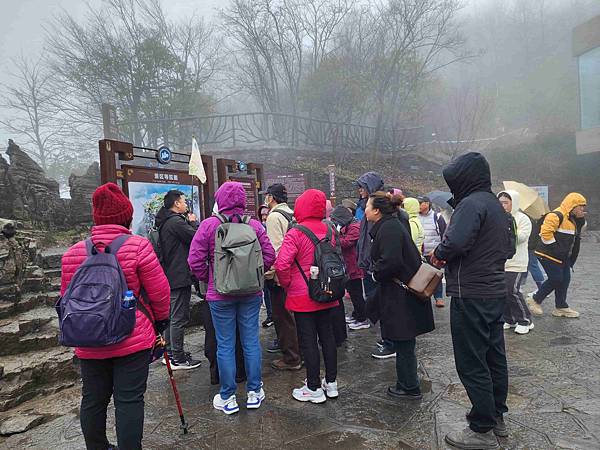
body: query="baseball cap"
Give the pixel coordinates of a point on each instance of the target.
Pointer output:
(423, 199)
(277, 190)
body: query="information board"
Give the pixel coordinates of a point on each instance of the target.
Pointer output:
(251, 195)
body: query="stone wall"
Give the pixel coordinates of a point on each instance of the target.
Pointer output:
(82, 187)
(26, 194)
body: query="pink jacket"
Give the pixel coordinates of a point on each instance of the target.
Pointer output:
(309, 211)
(348, 240)
(231, 200)
(141, 268)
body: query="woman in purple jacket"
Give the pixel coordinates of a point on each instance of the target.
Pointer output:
(229, 312)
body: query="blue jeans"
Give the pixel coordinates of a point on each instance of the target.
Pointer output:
(243, 314)
(559, 278)
(534, 269)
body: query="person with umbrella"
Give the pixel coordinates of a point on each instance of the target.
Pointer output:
(535, 208)
(516, 313)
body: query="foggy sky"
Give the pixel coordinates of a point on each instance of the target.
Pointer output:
(23, 21)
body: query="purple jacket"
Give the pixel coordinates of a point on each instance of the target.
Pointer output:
(231, 199)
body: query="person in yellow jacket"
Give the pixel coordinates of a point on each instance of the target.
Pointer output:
(557, 251)
(413, 207)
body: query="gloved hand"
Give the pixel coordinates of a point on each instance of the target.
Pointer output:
(161, 325)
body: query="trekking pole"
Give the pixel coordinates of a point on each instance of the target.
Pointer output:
(184, 425)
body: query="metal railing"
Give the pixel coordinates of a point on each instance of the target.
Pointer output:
(267, 129)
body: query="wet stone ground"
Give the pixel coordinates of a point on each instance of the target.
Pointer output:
(554, 396)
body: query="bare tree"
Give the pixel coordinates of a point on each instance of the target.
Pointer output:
(130, 55)
(467, 112)
(30, 111)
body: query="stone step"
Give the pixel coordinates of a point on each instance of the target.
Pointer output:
(43, 337)
(31, 374)
(52, 273)
(51, 258)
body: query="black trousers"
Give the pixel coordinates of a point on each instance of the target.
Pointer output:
(180, 316)
(357, 295)
(210, 348)
(339, 323)
(516, 310)
(312, 326)
(285, 326)
(124, 379)
(406, 366)
(478, 341)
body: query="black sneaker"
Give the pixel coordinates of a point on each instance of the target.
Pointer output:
(393, 391)
(187, 355)
(383, 353)
(380, 343)
(274, 348)
(268, 322)
(185, 364)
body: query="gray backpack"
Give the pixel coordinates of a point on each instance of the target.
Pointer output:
(238, 267)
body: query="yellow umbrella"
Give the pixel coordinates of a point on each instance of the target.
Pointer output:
(531, 203)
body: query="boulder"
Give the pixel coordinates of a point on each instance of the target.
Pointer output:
(82, 187)
(20, 423)
(13, 263)
(30, 195)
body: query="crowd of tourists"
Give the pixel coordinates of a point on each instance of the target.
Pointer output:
(301, 263)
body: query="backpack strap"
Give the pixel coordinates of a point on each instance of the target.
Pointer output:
(301, 271)
(244, 219)
(90, 247)
(222, 217)
(116, 244)
(142, 306)
(285, 214)
(309, 234)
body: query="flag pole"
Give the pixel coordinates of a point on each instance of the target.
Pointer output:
(193, 137)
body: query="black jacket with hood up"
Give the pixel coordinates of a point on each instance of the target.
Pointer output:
(475, 243)
(175, 234)
(370, 182)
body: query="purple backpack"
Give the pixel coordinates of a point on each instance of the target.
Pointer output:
(90, 313)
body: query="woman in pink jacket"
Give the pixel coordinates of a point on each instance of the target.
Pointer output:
(312, 319)
(232, 312)
(119, 370)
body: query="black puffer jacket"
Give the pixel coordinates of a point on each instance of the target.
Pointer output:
(476, 240)
(403, 316)
(176, 235)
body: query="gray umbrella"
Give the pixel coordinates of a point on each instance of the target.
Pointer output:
(440, 199)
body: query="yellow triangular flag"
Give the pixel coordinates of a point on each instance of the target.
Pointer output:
(195, 167)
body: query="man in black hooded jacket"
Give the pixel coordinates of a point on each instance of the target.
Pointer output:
(176, 229)
(474, 251)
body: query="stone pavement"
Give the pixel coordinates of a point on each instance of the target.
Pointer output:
(554, 396)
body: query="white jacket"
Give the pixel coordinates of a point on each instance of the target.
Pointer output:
(520, 261)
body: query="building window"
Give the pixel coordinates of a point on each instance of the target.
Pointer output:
(589, 88)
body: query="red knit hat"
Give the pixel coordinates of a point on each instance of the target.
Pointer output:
(111, 206)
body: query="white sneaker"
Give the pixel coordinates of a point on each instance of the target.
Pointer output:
(228, 406)
(330, 389)
(304, 394)
(350, 319)
(534, 307)
(255, 399)
(359, 325)
(508, 326)
(522, 329)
